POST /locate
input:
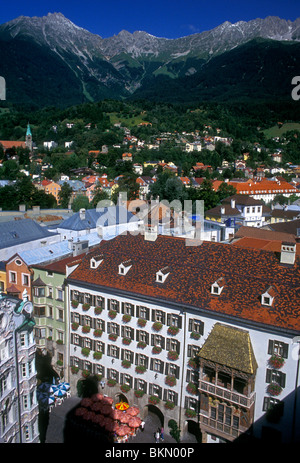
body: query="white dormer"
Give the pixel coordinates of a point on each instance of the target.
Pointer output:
(96, 261)
(217, 286)
(267, 298)
(125, 267)
(162, 274)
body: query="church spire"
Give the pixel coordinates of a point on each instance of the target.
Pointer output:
(28, 140)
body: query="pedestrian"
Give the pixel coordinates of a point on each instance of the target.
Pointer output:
(157, 436)
(162, 434)
(142, 426)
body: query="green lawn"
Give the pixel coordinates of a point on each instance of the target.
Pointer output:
(281, 130)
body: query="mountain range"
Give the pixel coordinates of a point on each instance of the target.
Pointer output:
(51, 61)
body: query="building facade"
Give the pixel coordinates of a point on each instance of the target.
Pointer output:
(173, 328)
(18, 402)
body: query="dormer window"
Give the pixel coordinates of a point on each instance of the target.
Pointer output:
(125, 267)
(268, 297)
(162, 274)
(96, 261)
(217, 286)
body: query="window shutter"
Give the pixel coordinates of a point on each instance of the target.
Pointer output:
(180, 322)
(266, 404)
(145, 386)
(268, 376)
(190, 324)
(270, 347)
(122, 354)
(201, 328)
(282, 379)
(160, 393)
(152, 339)
(150, 389)
(167, 369)
(121, 378)
(122, 331)
(176, 398)
(147, 313)
(163, 318)
(131, 357)
(168, 319)
(147, 338)
(137, 311)
(189, 350)
(136, 359)
(108, 304)
(151, 364)
(123, 307)
(188, 375)
(108, 349)
(153, 315)
(165, 394)
(163, 343)
(177, 371)
(161, 367)
(285, 350)
(108, 327)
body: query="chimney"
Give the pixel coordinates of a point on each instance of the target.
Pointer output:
(82, 214)
(150, 233)
(288, 253)
(232, 202)
(222, 210)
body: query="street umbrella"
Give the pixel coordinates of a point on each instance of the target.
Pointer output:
(105, 409)
(51, 400)
(53, 388)
(122, 406)
(44, 387)
(96, 406)
(133, 411)
(134, 422)
(123, 430)
(64, 386)
(59, 393)
(124, 418)
(114, 414)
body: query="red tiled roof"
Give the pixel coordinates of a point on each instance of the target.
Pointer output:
(193, 269)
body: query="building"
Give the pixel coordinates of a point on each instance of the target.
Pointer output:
(18, 401)
(176, 329)
(265, 189)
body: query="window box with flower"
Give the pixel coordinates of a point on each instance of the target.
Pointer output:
(139, 393)
(170, 380)
(274, 389)
(85, 373)
(190, 413)
(126, 318)
(141, 345)
(74, 304)
(126, 341)
(98, 333)
(85, 351)
(154, 400)
(195, 335)
(191, 388)
(173, 355)
(113, 336)
(173, 330)
(169, 405)
(74, 369)
(126, 363)
(75, 326)
(276, 361)
(192, 363)
(98, 310)
(86, 306)
(86, 329)
(112, 314)
(97, 355)
(140, 369)
(141, 322)
(156, 350)
(111, 382)
(125, 388)
(157, 326)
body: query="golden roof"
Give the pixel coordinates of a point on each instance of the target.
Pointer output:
(231, 347)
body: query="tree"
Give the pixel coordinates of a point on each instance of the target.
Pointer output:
(225, 190)
(126, 184)
(65, 195)
(99, 195)
(81, 202)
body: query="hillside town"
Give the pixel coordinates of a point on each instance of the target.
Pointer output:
(188, 314)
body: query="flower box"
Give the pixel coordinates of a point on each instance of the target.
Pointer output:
(86, 329)
(141, 322)
(74, 370)
(75, 326)
(190, 413)
(85, 306)
(170, 380)
(139, 393)
(111, 382)
(191, 388)
(157, 326)
(156, 350)
(154, 400)
(195, 335)
(113, 337)
(126, 364)
(192, 363)
(173, 355)
(169, 405)
(59, 363)
(98, 333)
(126, 318)
(85, 373)
(97, 355)
(126, 341)
(85, 351)
(173, 330)
(140, 369)
(141, 345)
(98, 310)
(74, 304)
(274, 389)
(275, 361)
(125, 388)
(112, 314)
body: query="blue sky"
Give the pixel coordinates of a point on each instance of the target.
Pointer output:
(162, 18)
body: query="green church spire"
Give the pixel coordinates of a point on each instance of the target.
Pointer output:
(28, 133)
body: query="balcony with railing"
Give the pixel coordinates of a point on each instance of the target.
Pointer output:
(227, 394)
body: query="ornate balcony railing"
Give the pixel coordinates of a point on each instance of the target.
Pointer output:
(227, 394)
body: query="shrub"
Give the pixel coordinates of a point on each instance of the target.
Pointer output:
(125, 388)
(113, 337)
(274, 389)
(74, 369)
(141, 344)
(111, 382)
(126, 341)
(276, 361)
(190, 413)
(59, 363)
(85, 373)
(192, 363)
(169, 405)
(174, 430)
(195, 335)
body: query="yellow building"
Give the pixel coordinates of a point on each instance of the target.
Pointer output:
(2, 277)
(53, 189)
